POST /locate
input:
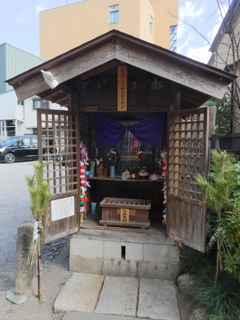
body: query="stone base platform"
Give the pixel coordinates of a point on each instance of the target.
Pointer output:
(126, 252)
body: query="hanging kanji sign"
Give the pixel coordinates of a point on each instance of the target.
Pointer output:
(122, 89)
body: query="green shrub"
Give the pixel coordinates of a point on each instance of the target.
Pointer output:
(221, 192)
(192, 261)
(230, 232)
(220, 300)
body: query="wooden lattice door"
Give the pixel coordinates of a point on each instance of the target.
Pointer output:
(187, 155)
(58, 140)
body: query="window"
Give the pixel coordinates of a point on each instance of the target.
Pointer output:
(114, 14)
(34, 142)
(151, 24)
(21, 103)
(173, 38)
(40, 103)
(22, 143)
(26, 142)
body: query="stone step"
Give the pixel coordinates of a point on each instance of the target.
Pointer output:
(92, 297)
(128, 254)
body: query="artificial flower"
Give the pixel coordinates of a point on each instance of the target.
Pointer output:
(113, 156)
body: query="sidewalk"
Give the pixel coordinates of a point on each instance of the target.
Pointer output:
(97, 297)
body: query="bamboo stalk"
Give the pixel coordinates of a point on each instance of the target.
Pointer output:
(218, 253)
(39, 269)
(217, 262)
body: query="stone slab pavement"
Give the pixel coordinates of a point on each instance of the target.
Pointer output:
(97, 297)
(74, 315)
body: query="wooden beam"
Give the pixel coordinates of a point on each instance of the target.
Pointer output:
(96, 71)
(51, 93)
(141, 98)
(65, 88)
(74, 101)
(178, 100)
(63, 102)
(60, 98)
(96, 108)
(70, 104)
(194, 100)
(185, 105)
(192, 93)
(183, 74)
(172, 94)
(55, 97)
(77, 65)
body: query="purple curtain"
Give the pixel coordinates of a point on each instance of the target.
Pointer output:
(148, 131)
(108, 131)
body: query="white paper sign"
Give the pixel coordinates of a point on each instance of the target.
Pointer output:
(62, 208)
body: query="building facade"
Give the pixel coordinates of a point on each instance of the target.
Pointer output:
(14, 61)
(226, 54)
(18, 117)
(69, 26)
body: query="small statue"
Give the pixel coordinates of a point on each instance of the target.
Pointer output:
(101, 171)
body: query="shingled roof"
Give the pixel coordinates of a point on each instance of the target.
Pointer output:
(107, 51)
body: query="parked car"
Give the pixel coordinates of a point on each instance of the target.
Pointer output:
(19, 148)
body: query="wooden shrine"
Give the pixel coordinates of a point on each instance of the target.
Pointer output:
(151, 80)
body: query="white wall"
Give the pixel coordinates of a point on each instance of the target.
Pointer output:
(30, 115)
(8, 103)
(26, 116)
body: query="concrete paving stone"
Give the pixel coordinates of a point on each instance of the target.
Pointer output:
(80, 293)
(73, 315)
(157, 300)
(119, 296)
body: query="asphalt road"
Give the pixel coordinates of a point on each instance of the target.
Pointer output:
(14, 209)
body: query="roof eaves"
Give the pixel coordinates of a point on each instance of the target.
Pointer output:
(64, 56)
(114, 35)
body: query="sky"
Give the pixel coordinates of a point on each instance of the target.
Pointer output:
(199, 21)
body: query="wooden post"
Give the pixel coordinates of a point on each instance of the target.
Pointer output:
(39, 268)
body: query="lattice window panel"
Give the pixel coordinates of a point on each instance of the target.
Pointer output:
(187, 155)
(60, 147)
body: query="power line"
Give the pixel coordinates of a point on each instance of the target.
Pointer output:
(199, 27)
(197, 30)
